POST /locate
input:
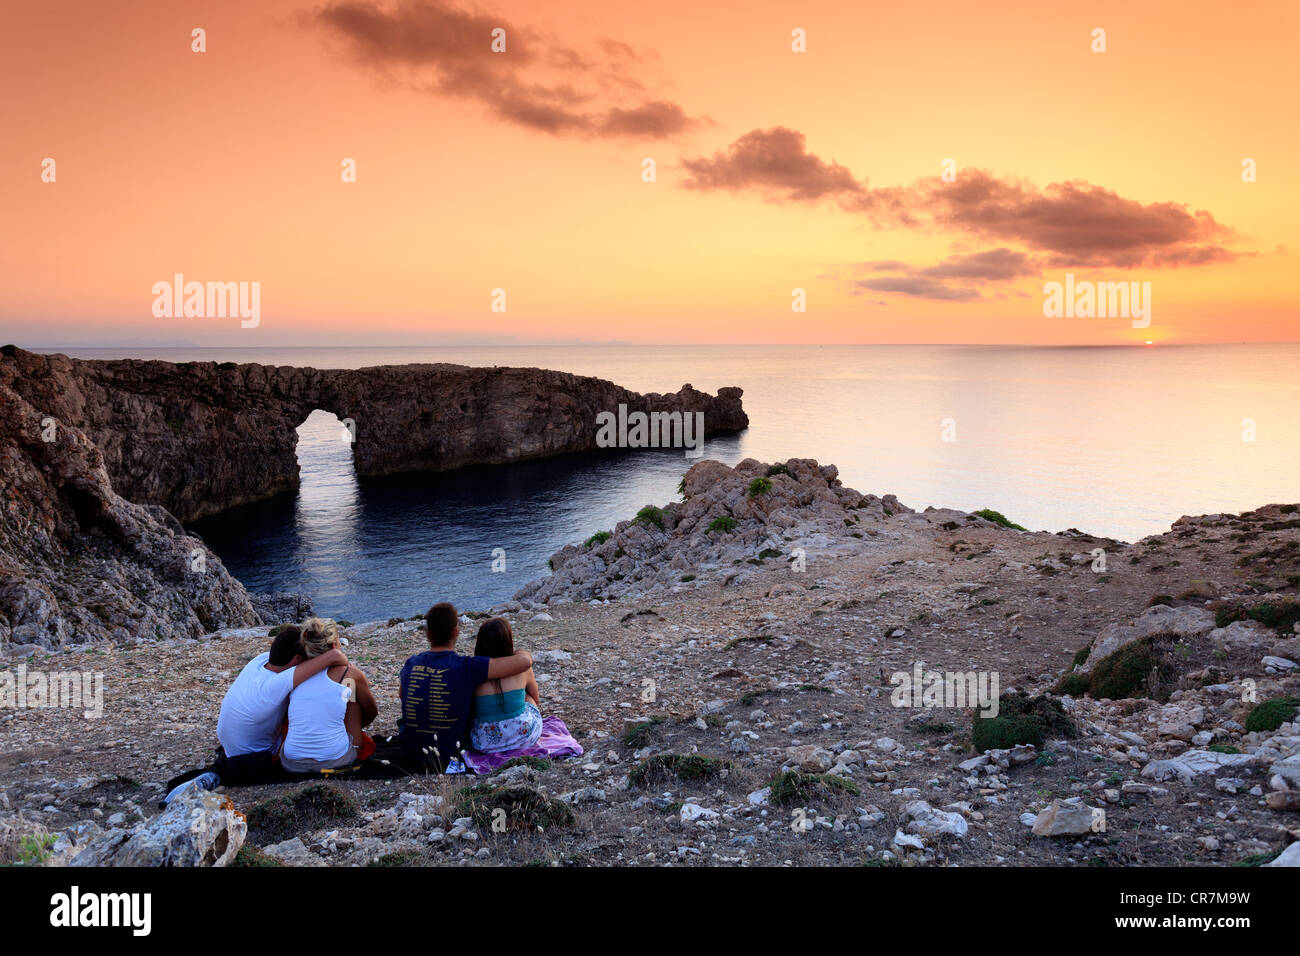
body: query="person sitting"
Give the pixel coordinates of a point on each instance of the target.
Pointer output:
(328, 710)
(253, 712)
(254, 708)
(507, 712)
(436, 686)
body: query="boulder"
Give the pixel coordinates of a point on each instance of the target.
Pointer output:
(198, 828)
(1065, 819)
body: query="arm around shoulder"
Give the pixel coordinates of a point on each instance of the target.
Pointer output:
(509, 666)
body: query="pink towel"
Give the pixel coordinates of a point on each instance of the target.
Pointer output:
(555, 742)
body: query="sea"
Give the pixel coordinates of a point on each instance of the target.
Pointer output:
(1116, 441)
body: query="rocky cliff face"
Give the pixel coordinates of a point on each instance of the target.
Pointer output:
(98, 459)
(198, 437)
(79, 563)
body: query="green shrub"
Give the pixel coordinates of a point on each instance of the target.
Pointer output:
(759, 486)
(638, 735)
(792, 786)
(1279, 615)
(1021, 719)
(650, 515)
(250, 855)
(1075, 685)
(1125, 673)
(997, 517)
(1081, 655)
(681, 487)
(999, 733)
(534, 763)
(774, 470)
(525, 808)
(1272, 713)
(681, 766)
(285, 816)
(724, 524)
(600, 537)
(1223, 749)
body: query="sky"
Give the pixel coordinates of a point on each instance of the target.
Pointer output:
(504, 195)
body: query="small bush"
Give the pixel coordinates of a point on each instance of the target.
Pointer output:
(1021, 719)
(600, 537)
(759, 486)
(1081, 655)
(250, 855)
(282, 817)
(1223, 749)
(650, 515)
(1075, 685)
(1164, 599)
(792, 786)
(681, 766)
(997, 517)
(1125, 673)
(774, 470)
(725, 524)
(638, 735)
(1272, 713)
(524, 807)
(534, 763)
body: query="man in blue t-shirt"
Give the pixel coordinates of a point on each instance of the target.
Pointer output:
(437, 687)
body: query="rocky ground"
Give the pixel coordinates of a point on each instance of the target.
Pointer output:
(732, 689)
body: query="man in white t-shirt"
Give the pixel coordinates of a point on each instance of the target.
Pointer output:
(252, 713)
(255, 706)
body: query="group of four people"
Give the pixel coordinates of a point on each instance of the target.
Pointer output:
(303, 706)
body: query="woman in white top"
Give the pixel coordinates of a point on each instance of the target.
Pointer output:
(328, 711)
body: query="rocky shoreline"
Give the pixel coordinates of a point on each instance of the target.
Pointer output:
(99, 460)
(729, 664)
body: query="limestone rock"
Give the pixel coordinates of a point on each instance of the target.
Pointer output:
(198, 828)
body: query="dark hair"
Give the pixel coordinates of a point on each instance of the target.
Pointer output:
(495, 639)
(440, 624)
(286, 645)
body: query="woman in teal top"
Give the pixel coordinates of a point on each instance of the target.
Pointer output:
(506, 714)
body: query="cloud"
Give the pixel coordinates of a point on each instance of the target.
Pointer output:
(922, 287)
(775, 162)
(1072, 223)
(1081, 224)
(538, 83)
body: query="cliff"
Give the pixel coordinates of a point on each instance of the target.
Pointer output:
(200, 437)
(99, 460)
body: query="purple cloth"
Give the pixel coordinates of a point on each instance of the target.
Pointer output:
(555, 742)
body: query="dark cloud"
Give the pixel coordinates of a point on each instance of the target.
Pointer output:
(922, 287)
(993, 265)
(1080, 223)
(436, 48)
(1072, 224)
(774, 162)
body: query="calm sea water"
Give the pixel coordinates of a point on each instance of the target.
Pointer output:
(1116, 441)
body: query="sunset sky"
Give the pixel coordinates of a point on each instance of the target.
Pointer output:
(522, 170)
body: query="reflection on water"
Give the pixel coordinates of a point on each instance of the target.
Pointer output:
(373, 548)
(1115, 441)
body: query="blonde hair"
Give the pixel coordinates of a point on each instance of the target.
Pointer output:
(319, 635)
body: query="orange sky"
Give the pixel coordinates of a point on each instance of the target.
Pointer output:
(225, 166)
